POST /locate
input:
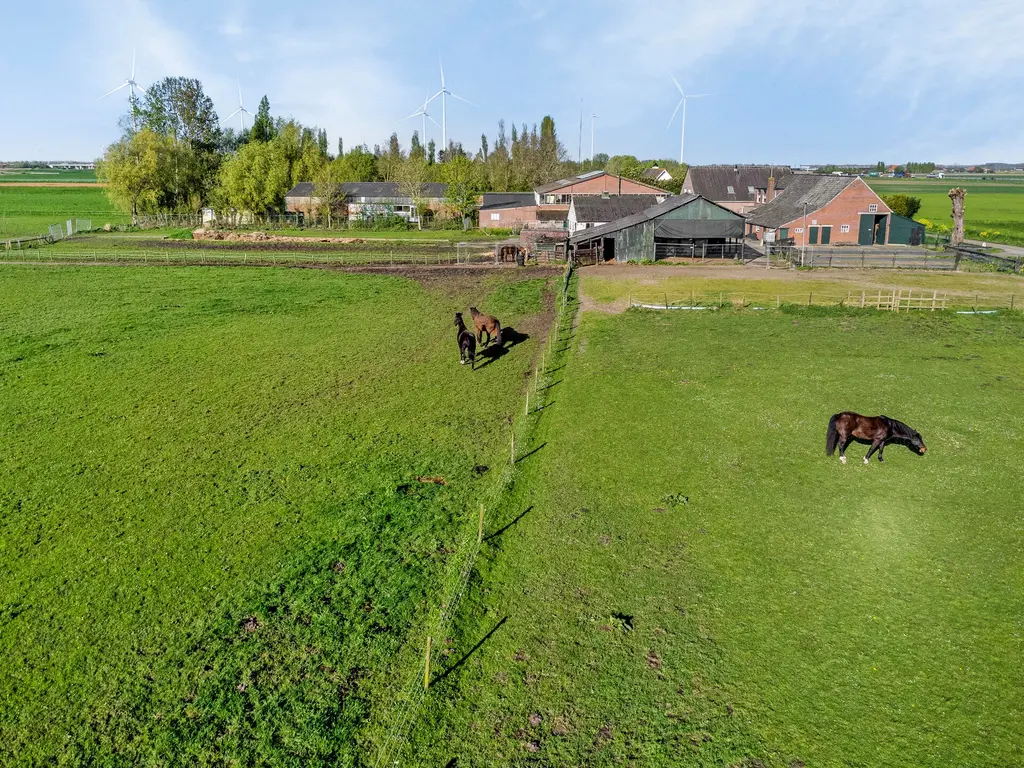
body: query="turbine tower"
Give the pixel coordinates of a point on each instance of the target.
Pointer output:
(422, 112)
(130, 84)
(682, 103)
(241, 111)
(593, 117)
(443, 93)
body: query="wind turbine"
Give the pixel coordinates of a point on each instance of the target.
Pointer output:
(241, 111)
(130, 84)
(422, 112)
(444, 113)
(593, 117)
(682, 103)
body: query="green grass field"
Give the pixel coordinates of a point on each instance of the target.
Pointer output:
(683, 578)
(8, 175)
(215, 544)
(994, 210)
(28, 211)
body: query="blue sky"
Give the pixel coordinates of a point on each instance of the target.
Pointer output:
(793, 81)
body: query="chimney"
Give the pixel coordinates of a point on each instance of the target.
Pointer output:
(771, 190)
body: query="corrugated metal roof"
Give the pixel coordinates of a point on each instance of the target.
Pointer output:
(507, 200)
(430, 189)
(653, 212)
(591, 208)
(813, 189)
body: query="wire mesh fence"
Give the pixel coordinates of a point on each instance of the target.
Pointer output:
(413, 691)
(894, 300)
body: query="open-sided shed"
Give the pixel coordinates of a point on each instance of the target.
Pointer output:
(682, 220)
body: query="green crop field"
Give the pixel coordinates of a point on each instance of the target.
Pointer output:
(684, 578)
(994, 210)
(28, 211)
(226, 498)
(46, 175)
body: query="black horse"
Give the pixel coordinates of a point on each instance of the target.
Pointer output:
(467, 342)
(879, 430)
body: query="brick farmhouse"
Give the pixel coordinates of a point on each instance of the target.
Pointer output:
(824, 210)
(549, 207)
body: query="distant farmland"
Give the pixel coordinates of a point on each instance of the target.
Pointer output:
(995, 209)
(28, 211)
(14, 175)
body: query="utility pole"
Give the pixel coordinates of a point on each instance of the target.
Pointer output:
(803, 238)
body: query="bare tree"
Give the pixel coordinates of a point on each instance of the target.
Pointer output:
(957, 196)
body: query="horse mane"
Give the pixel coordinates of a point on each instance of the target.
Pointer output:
(899, 429)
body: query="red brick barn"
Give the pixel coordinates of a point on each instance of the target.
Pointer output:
(823, 210)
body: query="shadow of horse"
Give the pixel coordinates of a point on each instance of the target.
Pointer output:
(510, 337)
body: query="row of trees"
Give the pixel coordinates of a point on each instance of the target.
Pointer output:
(173, 156)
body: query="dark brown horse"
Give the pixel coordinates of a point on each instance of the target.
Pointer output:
(467, 342)
(878, 430)
(486, 324)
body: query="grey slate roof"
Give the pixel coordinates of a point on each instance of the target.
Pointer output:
(595, 208)
(653, 212)
(507, 200)
(713, 181)
(370, 189)
(553, 185)
(813, 189)
(653, 173)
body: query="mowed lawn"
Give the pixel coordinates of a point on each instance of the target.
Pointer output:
(993, 210)
(684, 578)
(28, 211)
(228, 496)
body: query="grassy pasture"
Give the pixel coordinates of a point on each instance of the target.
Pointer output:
(686, 579)
(213, 536)
(46, 175)
(994, 210)
(28, 211)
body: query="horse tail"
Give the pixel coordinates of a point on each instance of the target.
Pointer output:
(833, 436)
(498, 337)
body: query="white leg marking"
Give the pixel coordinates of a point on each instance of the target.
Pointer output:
(842, 459)
(866, 460)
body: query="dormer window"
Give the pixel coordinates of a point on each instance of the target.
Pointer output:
(750, 190)
(730, 190)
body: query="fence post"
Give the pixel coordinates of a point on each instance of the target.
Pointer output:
(426, 670)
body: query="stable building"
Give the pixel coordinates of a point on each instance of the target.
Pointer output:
(674, 227)
(507, 210)
(740, 188)
(589, 211)
(827, 210)
(368, 199)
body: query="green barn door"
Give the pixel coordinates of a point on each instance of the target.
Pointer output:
(814, 236)
(866, 234)
(880, 239)
(826, 235)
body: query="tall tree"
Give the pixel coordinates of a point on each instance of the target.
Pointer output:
(430, 152)
(134, 170)
(460, 176)
(483, 146)
(341, 147)
(321, 140)
(256, 178)
(328, 190)
(263, 124)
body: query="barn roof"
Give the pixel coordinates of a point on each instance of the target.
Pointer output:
(651, 212)
(507, 200)
(594, 208)
(553, 186)
(815, 190)
(654, 173)
(370, 189)
(735, 183)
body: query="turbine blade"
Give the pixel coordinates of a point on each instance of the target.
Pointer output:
(133, 62)
(698, 95)
(442, 72)
(678, 86)
(462, 99)
(433, 121)
(239, 93)
(433, 97)
(225, 119)
(674, 113)
(122, 85)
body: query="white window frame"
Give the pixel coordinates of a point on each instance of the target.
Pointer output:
(873, 208)
(495, 217)
(844, 228)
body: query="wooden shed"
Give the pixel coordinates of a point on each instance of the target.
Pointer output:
(674, 227)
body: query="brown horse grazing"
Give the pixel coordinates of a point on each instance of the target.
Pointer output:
(488, 324)
(467, 342)
(879, 430)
